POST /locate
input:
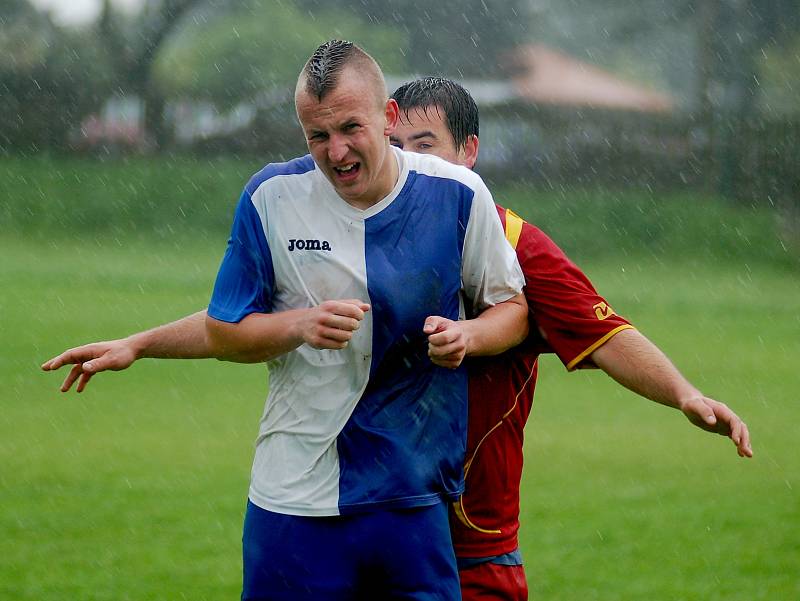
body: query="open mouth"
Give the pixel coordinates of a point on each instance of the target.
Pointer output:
(347, 172)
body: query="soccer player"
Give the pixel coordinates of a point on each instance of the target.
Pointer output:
(348, 270)
(569, 318)
(439, 117)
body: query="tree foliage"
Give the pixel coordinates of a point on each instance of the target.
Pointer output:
(779, 66)
(261, 47)
(134, 46)
(50, 79)
(728, 62)
(460, 38)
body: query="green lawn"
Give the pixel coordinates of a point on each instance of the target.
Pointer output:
(136, 488)
(624, 499)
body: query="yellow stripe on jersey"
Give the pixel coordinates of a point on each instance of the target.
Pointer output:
(458, 506)
(513, 227)
(574, 363)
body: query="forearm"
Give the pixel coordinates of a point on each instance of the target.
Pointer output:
(639, 365)
(182, 339)
(258, 337)
(264, 336)
(498, 328)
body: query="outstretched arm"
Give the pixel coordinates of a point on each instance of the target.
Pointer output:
(256, 338)
(492, 332)
(182, 339)
(636, 363)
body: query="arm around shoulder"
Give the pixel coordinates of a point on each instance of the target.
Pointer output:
(494, 331)
(498, 328)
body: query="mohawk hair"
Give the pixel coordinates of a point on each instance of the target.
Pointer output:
(434, 93)
(322, 70)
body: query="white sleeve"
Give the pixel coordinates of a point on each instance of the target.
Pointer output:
(490, 272)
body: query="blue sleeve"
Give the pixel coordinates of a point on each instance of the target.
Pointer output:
(246, 279)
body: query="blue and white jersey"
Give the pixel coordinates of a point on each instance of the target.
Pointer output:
(375, 424)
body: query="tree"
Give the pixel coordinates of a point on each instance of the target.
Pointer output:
(50, 78)
(733, 35)
(251, 56)
(260, 47)
(709, 53)
(459, 38)
(134, 48)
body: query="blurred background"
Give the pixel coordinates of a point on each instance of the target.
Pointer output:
(657, 142)
(690, 94)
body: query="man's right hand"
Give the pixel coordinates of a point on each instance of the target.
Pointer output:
(264, 336)
(89, 359)
(331, 324)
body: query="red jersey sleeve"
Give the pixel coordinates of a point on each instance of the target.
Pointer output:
(571, 318)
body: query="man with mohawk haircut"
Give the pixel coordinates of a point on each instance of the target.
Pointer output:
(349, 271)
(362, 439)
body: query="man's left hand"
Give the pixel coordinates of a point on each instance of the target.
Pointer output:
(447, 341)
(713, 416)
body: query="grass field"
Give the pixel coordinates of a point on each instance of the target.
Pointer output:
(136, 488)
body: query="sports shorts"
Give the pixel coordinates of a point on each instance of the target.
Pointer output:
(489, 581)
(383, 555)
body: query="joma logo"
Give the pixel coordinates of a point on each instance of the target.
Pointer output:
(311, 244)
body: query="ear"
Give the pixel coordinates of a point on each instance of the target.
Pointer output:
(471, 151)
(392, 116)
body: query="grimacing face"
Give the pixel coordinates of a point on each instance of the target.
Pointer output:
(424, 130)
(347, 135)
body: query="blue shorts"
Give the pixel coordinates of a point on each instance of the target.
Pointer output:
(382, 555)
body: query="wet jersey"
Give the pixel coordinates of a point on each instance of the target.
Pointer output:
(567, 317)
(375, 425)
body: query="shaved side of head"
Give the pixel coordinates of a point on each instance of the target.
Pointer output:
(322, 71)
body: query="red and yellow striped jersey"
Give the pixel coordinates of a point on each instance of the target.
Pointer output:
(568, 318)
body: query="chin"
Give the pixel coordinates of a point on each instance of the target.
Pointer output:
(350, 196)
(351, 191)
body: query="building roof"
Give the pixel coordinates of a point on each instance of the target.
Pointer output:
(539, 74)
(544, 75)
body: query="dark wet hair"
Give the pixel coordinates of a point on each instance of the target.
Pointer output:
(323, 69)
(434, 93)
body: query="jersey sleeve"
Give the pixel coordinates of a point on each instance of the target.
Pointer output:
(490, 271)
(571, 318)
(246, 279)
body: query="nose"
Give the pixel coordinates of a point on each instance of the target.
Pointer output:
(337, 149)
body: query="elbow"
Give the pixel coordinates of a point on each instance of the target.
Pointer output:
(237, 342)
(219, 339)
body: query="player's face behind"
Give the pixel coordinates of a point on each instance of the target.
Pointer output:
(425, 130)
(347, 133)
